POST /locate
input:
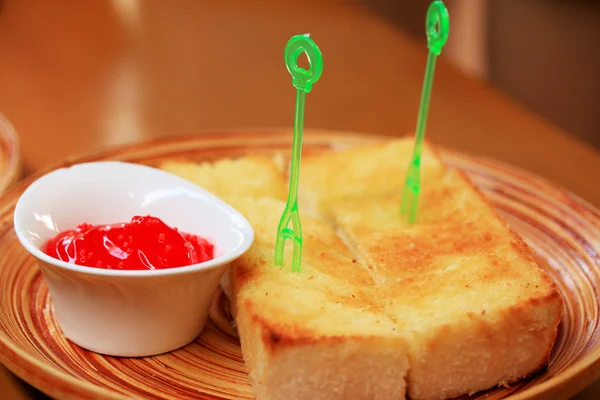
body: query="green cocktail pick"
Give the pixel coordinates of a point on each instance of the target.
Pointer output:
(437, 26)
(302, 80)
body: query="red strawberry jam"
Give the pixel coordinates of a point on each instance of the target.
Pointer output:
(144, 243)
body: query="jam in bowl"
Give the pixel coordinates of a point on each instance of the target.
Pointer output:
(156, 300)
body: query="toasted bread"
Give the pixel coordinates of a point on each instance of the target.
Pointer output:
(357, 173)
(254, 176)
(450, 305)
(316, 335)
(471, 302)
(320, 334)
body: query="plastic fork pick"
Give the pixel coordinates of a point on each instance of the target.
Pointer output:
(302, 79)
(437, 26)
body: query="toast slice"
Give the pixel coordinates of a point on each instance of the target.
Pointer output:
(479, 310)
(252, 176)
(359, 172)
(320, 334)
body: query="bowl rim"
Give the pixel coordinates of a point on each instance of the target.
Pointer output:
(8, 135)
(244, 228)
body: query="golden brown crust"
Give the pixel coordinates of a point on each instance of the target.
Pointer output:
(523, 250)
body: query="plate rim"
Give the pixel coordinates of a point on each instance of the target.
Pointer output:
(569, 382)
(10, 136)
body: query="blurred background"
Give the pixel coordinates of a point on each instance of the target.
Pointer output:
(81, 75)
(542, 53)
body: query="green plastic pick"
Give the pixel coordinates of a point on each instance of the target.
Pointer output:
(302, 80)
(437, 26)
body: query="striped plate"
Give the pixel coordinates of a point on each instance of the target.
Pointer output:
(562, 229)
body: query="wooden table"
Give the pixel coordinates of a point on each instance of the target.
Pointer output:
(80, 75)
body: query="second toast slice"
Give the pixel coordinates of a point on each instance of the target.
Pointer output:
(473, 305)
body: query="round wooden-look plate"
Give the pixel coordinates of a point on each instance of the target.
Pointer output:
(562, 229)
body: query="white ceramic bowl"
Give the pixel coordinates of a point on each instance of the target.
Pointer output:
(128, 313)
